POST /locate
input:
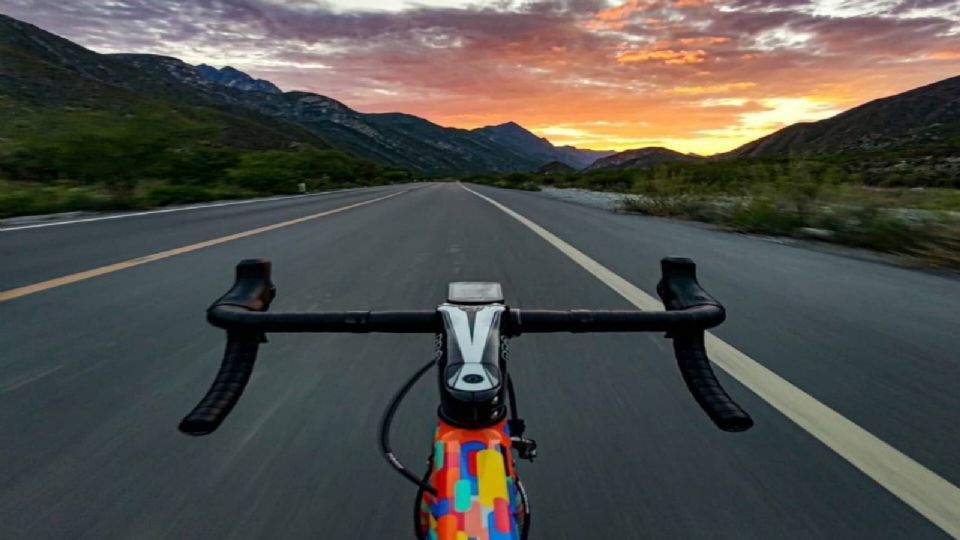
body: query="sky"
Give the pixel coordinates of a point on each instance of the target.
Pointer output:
(700, 76)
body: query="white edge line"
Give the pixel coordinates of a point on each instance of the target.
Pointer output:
(169, 210)
(922, 489)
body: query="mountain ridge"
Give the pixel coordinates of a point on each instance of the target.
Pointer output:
(926, 115)
(639, 158)
(556, 167)
(514, 135)
(234, 78)
(421, 146)
(43, 68)
(417, 144)
(923, 119)
(43, 72)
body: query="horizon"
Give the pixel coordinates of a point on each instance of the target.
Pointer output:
(695, 76)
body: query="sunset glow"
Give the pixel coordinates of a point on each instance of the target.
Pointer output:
(699, 76)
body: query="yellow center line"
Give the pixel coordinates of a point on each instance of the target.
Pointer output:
(10, 294)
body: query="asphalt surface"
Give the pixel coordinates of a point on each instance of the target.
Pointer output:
(95, 375)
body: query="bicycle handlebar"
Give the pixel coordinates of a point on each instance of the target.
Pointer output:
(516, 322)
(242, 312)
(227, 388)
(680, 290)
(252, 292)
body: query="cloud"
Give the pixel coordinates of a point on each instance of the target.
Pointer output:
(944, 55)
(620, 73)
(713, 89)
(723, 102)
(666, 56)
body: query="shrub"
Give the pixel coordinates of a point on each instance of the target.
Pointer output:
(875, 228)
(22, 199)
(278, 171)
(762, 215)
(168, 194)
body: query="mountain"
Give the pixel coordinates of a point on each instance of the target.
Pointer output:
(234, 78)
(924, 117)
(556, 167)
(460, 149)
(45, 68)
(641, 158)
(392, 138)
(582, 158)
(539, 149)
(48, 83)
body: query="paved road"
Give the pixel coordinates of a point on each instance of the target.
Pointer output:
(94, 376)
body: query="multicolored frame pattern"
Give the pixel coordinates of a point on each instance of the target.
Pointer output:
(478, 494)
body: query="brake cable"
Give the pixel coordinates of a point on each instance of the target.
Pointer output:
(516, 424)
(387, 420)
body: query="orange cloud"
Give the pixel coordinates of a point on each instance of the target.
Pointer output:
(616, 17)
(944, 55)
(703, 41)
(713, 88)
(666, 56)
(618, 13)
(673, 51)
(624, 10)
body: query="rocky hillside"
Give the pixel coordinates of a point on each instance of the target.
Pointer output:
(641, 158)
(234, 78)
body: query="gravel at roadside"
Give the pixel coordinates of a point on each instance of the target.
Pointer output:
(598, 199)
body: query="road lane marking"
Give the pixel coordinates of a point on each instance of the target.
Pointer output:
(18, 292)
(166, 210)
(23, 380)
(922, 489)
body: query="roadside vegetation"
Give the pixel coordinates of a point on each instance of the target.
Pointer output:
(896, 203)
(94, 160)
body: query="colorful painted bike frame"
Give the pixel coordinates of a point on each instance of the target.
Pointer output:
(479, 496)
